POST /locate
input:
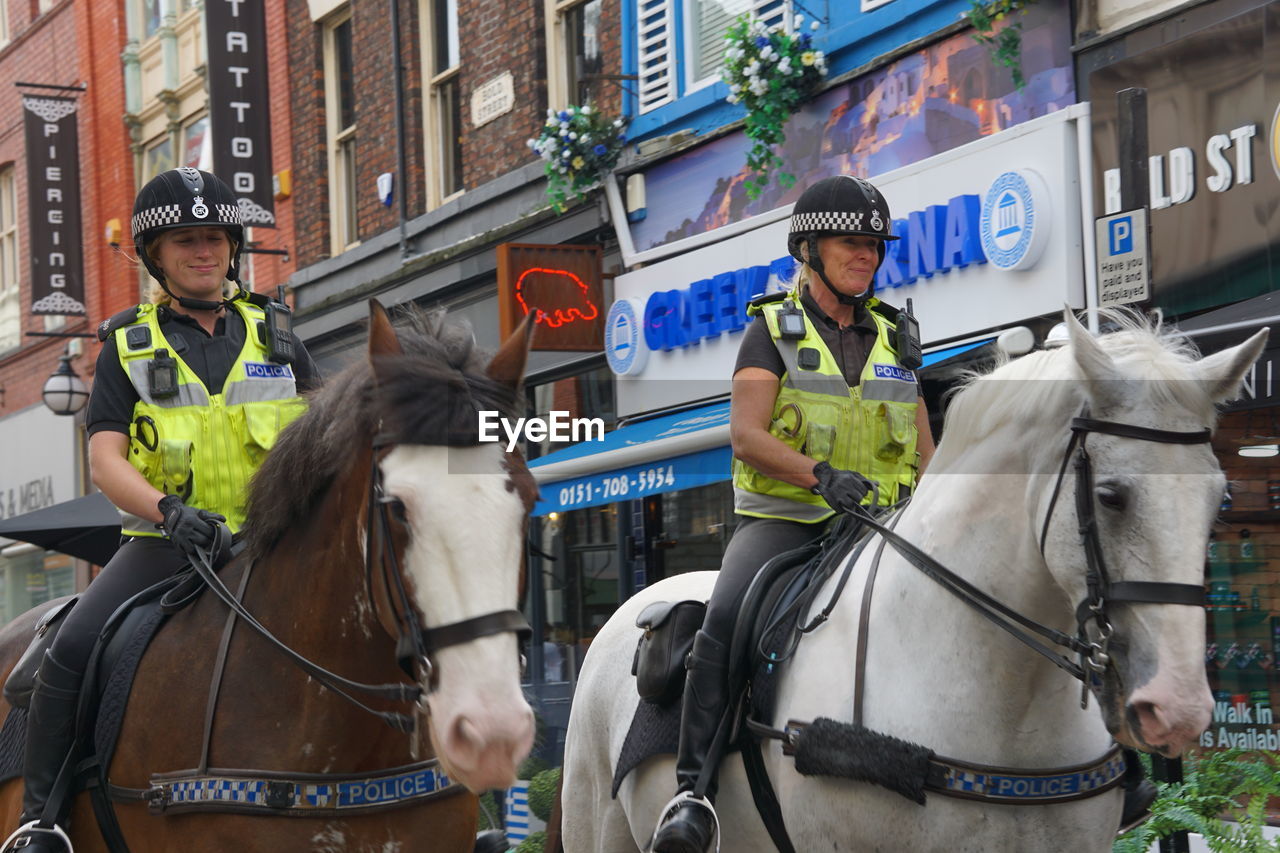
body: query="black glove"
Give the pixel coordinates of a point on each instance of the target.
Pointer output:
(188, 527)
(842, 490)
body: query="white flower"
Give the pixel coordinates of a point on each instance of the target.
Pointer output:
(784, 67)
(752, 70)
(586, 110)
(733, 99)
(759, 87)
(566, 153)
(564, 131)
(734, 88)
(767, 53)
(531, 143)
(572, 135)
(799, 21)
(814, 25)
(617, 122)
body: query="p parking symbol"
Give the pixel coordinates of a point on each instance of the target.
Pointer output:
(1120, 235)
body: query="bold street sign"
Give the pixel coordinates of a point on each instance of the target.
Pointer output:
(53, 196)
(561, 286)
(1124, 272)
(238, 106)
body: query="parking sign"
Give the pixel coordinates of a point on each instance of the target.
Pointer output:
(1123, 267)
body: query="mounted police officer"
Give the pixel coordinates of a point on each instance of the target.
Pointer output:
(189, 393)
(822, 411)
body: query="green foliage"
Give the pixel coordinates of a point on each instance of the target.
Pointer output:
(1004, 46)
(579, 146)
(531, 766)
(533, 844)
(770, 72)
(1223, 796)
(542, 793)
(490, 811)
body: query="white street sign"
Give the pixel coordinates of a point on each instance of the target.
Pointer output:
(1124, 269)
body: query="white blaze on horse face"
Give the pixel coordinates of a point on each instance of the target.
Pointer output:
(463, 560)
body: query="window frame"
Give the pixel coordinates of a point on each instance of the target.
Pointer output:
(5, 35)
(561, 81)
(340, 143)
(443, 94)
(10, 269)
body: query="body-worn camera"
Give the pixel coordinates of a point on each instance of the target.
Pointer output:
(162, 375)
(791, 323)
(279, 333)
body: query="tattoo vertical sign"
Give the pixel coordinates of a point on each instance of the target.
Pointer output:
(53, 196)
(238, 109)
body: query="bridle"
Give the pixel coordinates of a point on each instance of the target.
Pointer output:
(1093, 625)
(415, 644)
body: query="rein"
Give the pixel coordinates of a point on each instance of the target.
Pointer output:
(414, 643)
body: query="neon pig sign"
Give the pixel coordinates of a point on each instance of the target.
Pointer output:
(559, 316)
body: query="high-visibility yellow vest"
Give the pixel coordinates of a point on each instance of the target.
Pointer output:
(870, 429)
(200, 446)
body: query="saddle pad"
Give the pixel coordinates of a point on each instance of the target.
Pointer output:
(13, 738)
(655, 730)
(127, 647)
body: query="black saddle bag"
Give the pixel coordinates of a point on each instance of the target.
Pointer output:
(659, 664)
(22, 680)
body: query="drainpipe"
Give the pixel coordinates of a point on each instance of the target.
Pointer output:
(402, 204)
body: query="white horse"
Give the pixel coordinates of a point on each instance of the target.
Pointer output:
(937, 672)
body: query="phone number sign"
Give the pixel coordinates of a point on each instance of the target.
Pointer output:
(636, 481)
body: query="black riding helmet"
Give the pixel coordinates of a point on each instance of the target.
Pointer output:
(839, 205)
(183, 198)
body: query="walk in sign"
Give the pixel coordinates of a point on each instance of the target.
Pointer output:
(1124, 270)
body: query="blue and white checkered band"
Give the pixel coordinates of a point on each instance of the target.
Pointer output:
(307, 794)
(1031, 788)
(804, 223)
(155, 217)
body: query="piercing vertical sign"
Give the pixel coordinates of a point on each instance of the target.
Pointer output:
(53, 196)
(238, 108)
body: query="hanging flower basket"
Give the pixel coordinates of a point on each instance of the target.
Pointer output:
(770, 72)
(579, 146)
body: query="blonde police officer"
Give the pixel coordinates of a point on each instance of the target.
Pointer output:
(189, 393)
(822, 411)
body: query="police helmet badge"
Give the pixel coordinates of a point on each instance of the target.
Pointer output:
(877, 224)
(198, 208)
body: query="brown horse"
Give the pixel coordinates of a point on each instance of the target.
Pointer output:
(386, 466)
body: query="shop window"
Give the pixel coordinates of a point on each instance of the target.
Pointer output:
(580, 588)
(664, 74)
(687, 531)
(151, 17)
(340, 120)
(1242, 573)
(31, 577)
(10, 310)
(443, 117)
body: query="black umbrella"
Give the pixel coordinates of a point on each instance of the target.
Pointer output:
(87, 527)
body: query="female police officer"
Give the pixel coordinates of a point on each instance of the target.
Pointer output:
(189, 394)
(822, 411)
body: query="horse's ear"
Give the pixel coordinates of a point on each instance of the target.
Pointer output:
(382, 335)
(1224, 371)
(1096, 367)
(507, 366)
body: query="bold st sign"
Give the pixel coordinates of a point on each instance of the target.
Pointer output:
(238, 106)
(53, 196)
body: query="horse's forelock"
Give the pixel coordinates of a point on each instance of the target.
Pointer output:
(1157, 366)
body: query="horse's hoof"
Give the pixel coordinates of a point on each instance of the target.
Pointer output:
(690, 829)
(1137, 805)
(491, 842)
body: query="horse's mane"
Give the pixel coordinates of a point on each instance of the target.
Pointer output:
(429, 395)
(1154, 360)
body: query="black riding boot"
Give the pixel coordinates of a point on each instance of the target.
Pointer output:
(690, 828)
(51, 722)
(1139, 793)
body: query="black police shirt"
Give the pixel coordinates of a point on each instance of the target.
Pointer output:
(209, 356)
(849, 346)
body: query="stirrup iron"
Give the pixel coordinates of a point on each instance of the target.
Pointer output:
(21, 837)
(670, 809)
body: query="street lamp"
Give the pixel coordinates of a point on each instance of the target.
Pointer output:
(64, 392)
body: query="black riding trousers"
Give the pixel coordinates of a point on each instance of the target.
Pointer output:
(139, 563)
(755, 542)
